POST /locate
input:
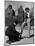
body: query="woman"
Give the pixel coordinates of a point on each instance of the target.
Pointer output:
(26, 22)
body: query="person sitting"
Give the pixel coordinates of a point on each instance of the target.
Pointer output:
(11, 31)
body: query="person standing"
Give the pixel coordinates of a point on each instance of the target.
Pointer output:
(9, 12)
(20, 14)
(28, 21)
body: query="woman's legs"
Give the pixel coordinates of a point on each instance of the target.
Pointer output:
(28, 24)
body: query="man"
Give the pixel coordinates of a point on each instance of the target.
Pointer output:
(20, 15)
(9, 12)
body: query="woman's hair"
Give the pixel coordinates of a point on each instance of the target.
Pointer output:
(10, 6)
(27, 9)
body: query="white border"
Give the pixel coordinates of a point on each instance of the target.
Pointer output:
(1, 22)
(22, 0)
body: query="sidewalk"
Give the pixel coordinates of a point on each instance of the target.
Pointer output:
(22, 42)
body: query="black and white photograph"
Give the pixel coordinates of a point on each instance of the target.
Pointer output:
(19, 23)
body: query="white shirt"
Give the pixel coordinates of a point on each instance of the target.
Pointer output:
(28, 14)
